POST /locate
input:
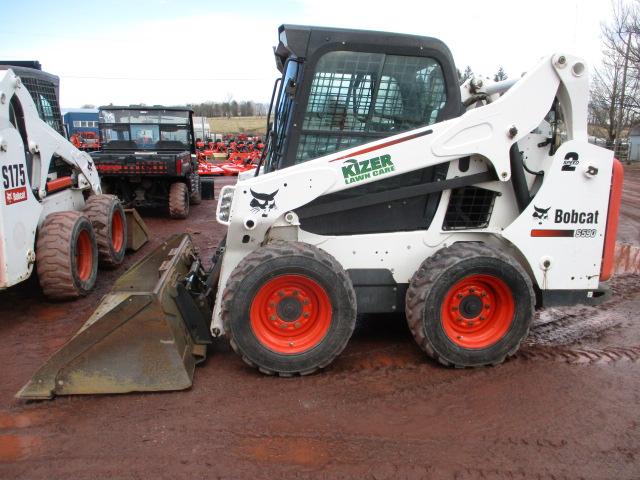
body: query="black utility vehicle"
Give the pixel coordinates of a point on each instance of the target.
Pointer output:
(148, 157)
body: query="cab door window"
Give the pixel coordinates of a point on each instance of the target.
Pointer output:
(358, 97)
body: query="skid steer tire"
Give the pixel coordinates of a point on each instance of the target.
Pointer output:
(470, 305)
(110, 227)
(66, 256)
(178, 200)
(196, 190)
(289, 308)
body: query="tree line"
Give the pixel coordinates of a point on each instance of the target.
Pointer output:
(468, 73)
(229, 108)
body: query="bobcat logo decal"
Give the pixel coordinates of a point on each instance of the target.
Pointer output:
(541, 213)
(263, 202)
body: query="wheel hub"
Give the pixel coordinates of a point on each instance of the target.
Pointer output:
(477, 311)
(290, 314)
(289, 309)
(470, 306)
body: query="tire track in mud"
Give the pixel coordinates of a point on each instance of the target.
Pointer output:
(581, 356)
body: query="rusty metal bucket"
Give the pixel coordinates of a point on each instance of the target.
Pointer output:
(137, 339)
(137, 231)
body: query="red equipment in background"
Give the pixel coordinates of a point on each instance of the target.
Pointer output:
(87, 141)
(240, 155)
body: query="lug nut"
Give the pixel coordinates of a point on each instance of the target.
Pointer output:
(305, 314)
(281, 293)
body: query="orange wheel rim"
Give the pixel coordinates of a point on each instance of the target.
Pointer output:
(291, 314)
(477, 311)
(117, 231)
(84, 256)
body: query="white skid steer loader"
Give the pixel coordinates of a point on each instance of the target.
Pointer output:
(386, 187)
(52, 212)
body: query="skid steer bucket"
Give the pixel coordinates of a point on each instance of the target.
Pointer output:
(138, 339)
(137, 231)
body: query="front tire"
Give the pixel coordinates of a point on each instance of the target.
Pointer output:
(110, 226)
(178, 200)
(470, 305)
(66, 256)
(289, 308)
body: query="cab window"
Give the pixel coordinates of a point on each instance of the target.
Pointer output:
(358, 97)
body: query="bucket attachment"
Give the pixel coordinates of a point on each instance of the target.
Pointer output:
(147, 334)
(137, 231)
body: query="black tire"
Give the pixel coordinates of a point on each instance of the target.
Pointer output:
(208, 188)
(270, 264)
(196, 190)
(430, 312)
(110, 227)
(66, 256)
(178, 200)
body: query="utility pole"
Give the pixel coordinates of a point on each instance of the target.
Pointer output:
(616, 143)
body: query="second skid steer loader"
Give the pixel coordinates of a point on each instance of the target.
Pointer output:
(53, 215)
(385, 188)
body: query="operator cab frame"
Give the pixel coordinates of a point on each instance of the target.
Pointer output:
(341, 88)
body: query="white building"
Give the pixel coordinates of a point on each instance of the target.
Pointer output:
(201, 128)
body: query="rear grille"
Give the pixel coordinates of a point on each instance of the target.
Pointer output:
(138, 168)
(469, 207)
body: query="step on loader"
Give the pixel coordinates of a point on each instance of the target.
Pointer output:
(385, 187)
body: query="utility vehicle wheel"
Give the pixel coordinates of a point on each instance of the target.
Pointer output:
(110, 227)
(208, 188)
(66, 255)
(196, 190)
(470, 305)
(178, 200)
(289, 308)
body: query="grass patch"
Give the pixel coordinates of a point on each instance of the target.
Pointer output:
(235, 125)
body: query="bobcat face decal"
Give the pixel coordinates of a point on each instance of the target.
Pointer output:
(263, 202)
(541, 213)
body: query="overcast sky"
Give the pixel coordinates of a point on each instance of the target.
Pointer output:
(175, 52)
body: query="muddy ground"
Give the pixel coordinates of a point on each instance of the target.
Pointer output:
(567, 406)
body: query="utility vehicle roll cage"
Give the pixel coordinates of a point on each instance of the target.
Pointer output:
(146, 128)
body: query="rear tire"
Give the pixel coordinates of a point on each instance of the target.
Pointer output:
(178, 200)
(196, 190)
(110, 227)
(288, 308)
(66, 256)
(470, 305)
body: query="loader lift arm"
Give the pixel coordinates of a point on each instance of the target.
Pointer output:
(44, 143)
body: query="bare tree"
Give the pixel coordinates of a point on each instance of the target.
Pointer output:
(615, 92)
(463, 77)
